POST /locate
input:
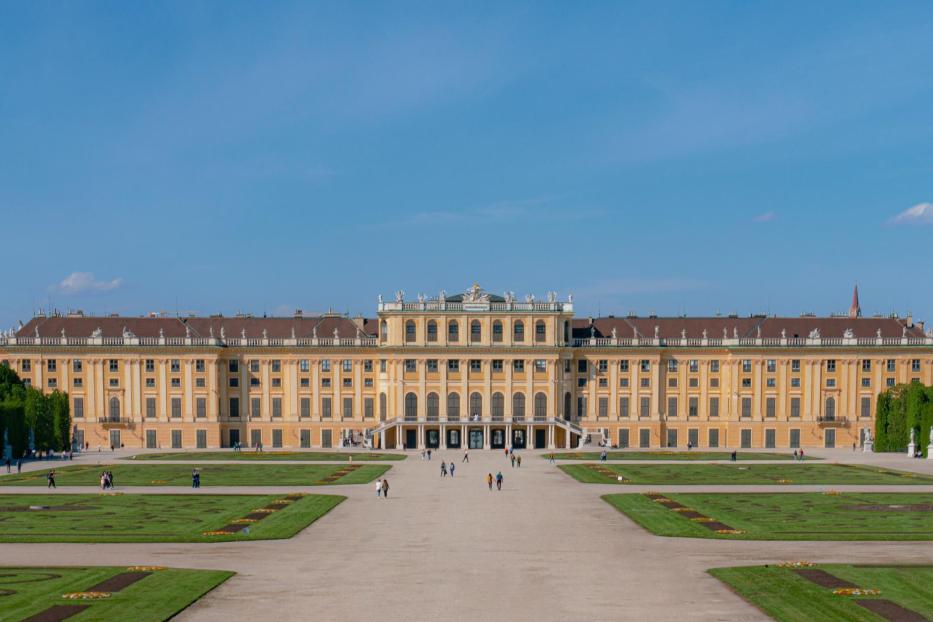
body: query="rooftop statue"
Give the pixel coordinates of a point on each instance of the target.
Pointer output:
(98, 332)
(614, 335)
(222, 332)
(848, 334)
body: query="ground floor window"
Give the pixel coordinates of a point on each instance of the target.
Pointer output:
(770, 442)
(714, 438)
(201, 439)
(79, 439)
(306, 439)
(693, 437)
(176, 439)
(623, 439)
(746, 439)
(644, 438)
(794, 439)
(276, 438)
(152, 441)
(255, 438)
(672, 438)
(327, 439)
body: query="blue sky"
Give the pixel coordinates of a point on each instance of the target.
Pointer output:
(649, 157)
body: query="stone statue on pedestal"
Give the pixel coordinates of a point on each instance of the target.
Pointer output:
(867, 441)
(912, 447)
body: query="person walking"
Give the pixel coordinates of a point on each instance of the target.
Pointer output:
(429, 455)
(443, 469)
(518, 459)
(801, 455)
(512, 460)
(19, 466)
(489, 481)
(602, 456)
(378, 488)
(51, 478)
(499, 480)
(466, 457)
(385, 489)
(8, 467)
(452, 467)
(734, 455)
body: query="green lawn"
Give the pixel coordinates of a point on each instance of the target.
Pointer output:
(788, 597)
(672, 455)
(252, 456)
(787, 516)
(793, 473)
(25, 592)
(211, 475)
(153, 518)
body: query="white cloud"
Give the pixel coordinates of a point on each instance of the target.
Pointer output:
(919, 214)
(766, 217)
(80, 282)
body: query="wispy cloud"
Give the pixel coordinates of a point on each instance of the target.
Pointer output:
(766, 217)
(82, 282)
(919, 214)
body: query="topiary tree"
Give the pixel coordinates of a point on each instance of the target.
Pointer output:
(61, 420)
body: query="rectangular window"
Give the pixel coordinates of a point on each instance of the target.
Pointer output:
(644, 382)
(199, 365)
(581, 366)
(581, 382)
(276, 407)
(304, 366)
(201, 439)
(234, 407)
(891, 365)
(714, 407)
(830, 382)
(831, 365)
(603, 366)
(623, 366)
(865, 408)
(411, 365)
(518, 366)
(693, 366)
(866, 365)
(890, 382)
(453, 365)
(326, 412)
(770, 407)
(348, 408)
(368, 411)
(325, 365)
(367, 382)
(693, 407)
(233, 366)
(476, 365)
(746, 383)
(175, 366)
(623, 407)
(795, 383)
(199, 383)
(746, 439)
(276, 438)
(382, 366)
(304, 382)
(645, 407)
(623, 382)
(200, 405)
(746, 407)
(603, 382)
(644, 438)
(368, 365)
(771, 383)
(114, 365)
(53, 383)
(623, 439)
(915, 365)
(276, 366)
(150, 366)
(672, 382)
(176, 439)
(794, 439)
(795, 365)
(305, 407)
(497, 366)
(714, 438)
(76, 366)
(176, 383)
(746, 365)
(714, 383)
(348, 382)
(693, 437)
(795, 407)
(432, 365)
(305, 439)
(114, 382)
(540, 365)
(233, 381)
(79, 407)
(672, 365)
(176, 408)
(645, 365)
(255, 408)
(603, 407)
(866, 382)
(714, 366)
(771, 366)
(770, 435)
(672, 407)
(151, 439)
(693, 383)
(347, 365)
(671, 438)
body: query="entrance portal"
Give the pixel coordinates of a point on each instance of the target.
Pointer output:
(497, 438)
(234, 438)
(453, 439)
(411, 439)
(540, 439)
(518, 439)
(476, 439)
(432, 439)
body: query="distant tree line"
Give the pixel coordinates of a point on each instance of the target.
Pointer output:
(901, 409)
(24, 409)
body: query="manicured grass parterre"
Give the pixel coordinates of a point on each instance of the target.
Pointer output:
(156, 518)
(269, 456)
(671, 455)
(786, 596)
(211, 475)
(157, 596)
(785, 516)
(794, 473)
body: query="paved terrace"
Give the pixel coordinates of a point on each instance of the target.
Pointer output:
(545, 548)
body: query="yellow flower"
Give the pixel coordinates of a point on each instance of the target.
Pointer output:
(145, 568)
(86, 595)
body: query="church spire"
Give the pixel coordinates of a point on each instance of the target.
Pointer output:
(855, 310)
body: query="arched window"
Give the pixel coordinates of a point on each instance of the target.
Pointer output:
(409, 331)
(476, 406)
(567, 400)
(518, 406)
(453, 407)
(383, 330)
(540, 406)
(518, 331)
(830, 413)
(476, 332)
(497, 331)
(453, 331)
(382, 406)
(432, 330)
(540, 332)
(498, 407)
(411, 407)
(433, 407)
(114, 409)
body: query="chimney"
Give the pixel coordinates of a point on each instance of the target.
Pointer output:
(854, 309)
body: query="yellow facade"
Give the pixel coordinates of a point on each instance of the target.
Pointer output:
(470, 370)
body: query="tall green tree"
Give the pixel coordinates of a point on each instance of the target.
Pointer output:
(61, 420)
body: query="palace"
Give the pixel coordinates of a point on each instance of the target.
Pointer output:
(470, 370)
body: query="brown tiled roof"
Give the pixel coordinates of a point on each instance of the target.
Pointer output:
(275, 327)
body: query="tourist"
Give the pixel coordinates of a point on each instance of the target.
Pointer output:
(518, 459)
(489, 481)
(110, 478)
(801, 455)
(499, 480)
(429, 455)
(51, 478)
(385, 489)
(195, 478)
(795, 455)
(19, 466)
(8, 465)
(512, 460)
(378, 488)
(466, 457)
(506, 450)
(443, 469)
(424, 454)
(603, 455)
(734, 456)
(452, 467)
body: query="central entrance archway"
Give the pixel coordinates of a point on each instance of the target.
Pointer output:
(476, 438)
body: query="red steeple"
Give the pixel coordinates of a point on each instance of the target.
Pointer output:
(855, 310)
